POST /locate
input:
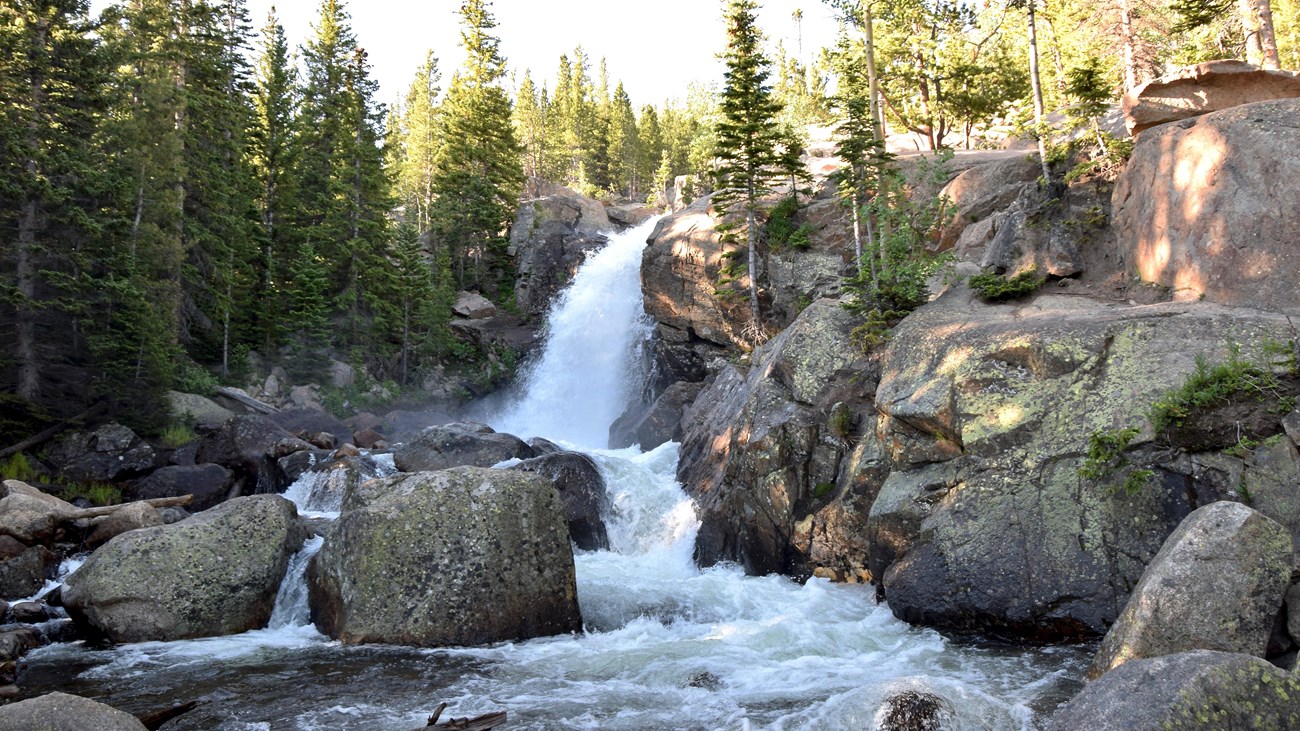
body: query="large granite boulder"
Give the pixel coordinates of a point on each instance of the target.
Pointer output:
(1208, 208)
(209, 484)
(1189, 691)
(1216, 584)
(63, 712)
(985, 524)
(205, 413)
(215, 573)
(582, 490)
(473, 306)
(464, 556)
(768, 466)
(457, 444)
(1206, 87)
(108, 453)
(29, 515)
(551, 236)
(982, 190)
(250, 446)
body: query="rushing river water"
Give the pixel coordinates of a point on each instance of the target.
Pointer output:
(666, 645)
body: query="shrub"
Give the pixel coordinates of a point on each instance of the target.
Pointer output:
(996, 288)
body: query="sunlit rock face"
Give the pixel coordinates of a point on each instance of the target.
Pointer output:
(1203, 88)
(1210, 207)
(984, 523)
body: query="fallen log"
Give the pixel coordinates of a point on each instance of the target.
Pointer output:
(53, 431)
(155, 720)
(157, 502)
(483, 722)
(248, 402)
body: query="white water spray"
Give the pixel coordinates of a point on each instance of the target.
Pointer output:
(588, 368)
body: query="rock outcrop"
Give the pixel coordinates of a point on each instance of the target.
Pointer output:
(210, 484)
(661, 421)
(582, 490)
(1216, 584)
(64, 712)
(764, 457)
(215, 573)
(459, 444)
(250, 446)
(1189, 691)
(106, 454)
(1206, 87)
(985, 524)
(465, 556)
(1205, 206)
(550, 238)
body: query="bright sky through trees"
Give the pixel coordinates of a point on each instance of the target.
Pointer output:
(657, 49)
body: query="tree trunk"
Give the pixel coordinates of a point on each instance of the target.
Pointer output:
(873, 81)
(857, 234)
(1126, 34)
(1250, 29)
(751, 224)
(29, 371)
(1037, 85)
(1267, 39)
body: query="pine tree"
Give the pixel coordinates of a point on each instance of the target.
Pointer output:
(271, 149)
(478, 176)
(749, 139)
(530, 125)
(415, 145)
(624, 145)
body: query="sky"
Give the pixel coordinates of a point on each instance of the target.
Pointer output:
(657, 48)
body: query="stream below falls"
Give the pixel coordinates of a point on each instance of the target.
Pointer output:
(666, 645)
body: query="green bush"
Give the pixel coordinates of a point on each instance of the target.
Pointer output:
(98, 493)
(996, 288)
(781, 229)
(1215, 385)
(17, 467)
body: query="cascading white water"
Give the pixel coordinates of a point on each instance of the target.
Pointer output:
(666, 646)
(582, 380)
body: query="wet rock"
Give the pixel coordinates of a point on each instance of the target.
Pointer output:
(208, 483)
(18, 641)
(367, 438)
(704, 679)
(454, 445)
(347, 450)
(215, 573)
(582, 490)
(1172, 216)
(464, 556)
(24, 575)
(542, 447)
(652, 426)
(30, 612)
(1190, 691)
(128, 518)
(1216, 584)
(912, 710)
(1007, 538)
(1206, 87)
(762, 461)
(250, 447)
(63, 712)
(61, 630)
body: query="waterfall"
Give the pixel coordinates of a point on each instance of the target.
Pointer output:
(588, 370)
(290, 609)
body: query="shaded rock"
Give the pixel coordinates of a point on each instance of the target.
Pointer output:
(294, 465)
(206, 414)
(651, 426)
(401, 425)
(363, 421)
(30, 612)
(1006, 538)
(550, 238)
(1203, 88)
(1216, 584)
(473, 306)
(367, 439)
(1293, 611)
(24, 574)
(763, 462)
(1202, 207)
(250, 446)
(128, 518)
(980, 191)
(63, 712)
(1271, 484)
(208, 483)
(1189, 691)
(542, 447)
(911, 710)
(464, 556)
(106, 454)
(215, 573)
(305, 398)
(307, 422)
(342, 374)
(582, 490)
(454, 445)
(495, 333)
(18, 641)
(627, 216)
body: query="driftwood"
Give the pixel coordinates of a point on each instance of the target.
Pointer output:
(248, 402)
(477, 723)
(53, 431)
(157, 502)
(154, 721)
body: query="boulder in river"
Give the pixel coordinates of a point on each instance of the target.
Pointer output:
(251, 445)
(463, 443)
(1216, 584)
(215, 573)
(64, 712)
(582, 490)
(1188, 691)
(465, 556)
